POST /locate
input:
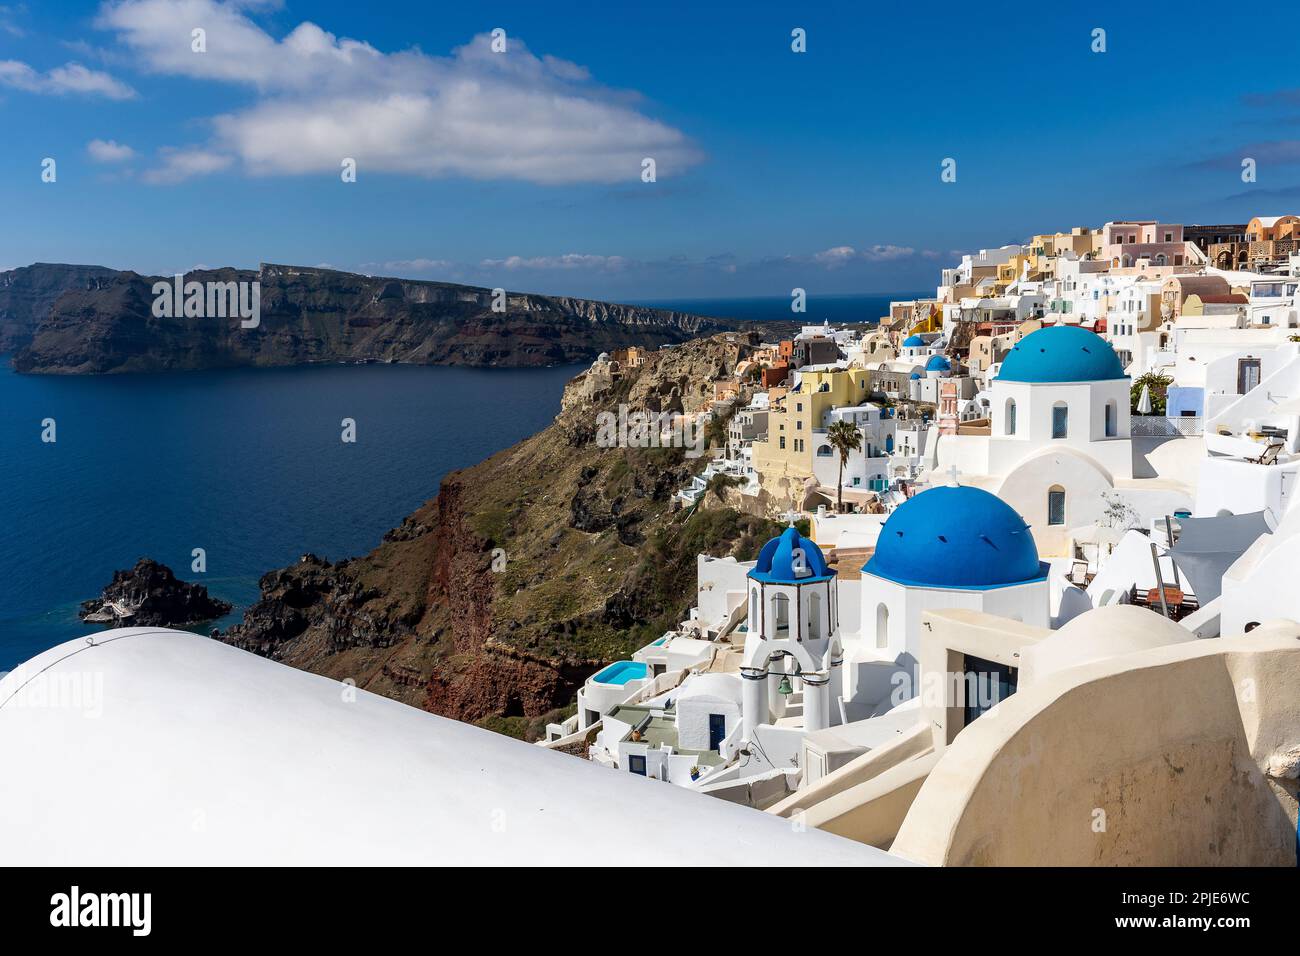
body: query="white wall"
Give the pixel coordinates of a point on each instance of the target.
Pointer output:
(693, 718)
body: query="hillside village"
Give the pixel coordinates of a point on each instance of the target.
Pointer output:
(1049, 506)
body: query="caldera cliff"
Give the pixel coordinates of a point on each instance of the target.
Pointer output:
(493, 601)
(91, 320)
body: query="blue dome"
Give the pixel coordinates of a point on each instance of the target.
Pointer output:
(938, 363)
(915, 375)
(913, 342)
(956, 537)
(1061, 353)
(776, 560)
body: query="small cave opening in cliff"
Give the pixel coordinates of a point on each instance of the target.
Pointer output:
(514, 706)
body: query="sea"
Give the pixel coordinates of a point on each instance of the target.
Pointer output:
(249, 465)
(836, 309)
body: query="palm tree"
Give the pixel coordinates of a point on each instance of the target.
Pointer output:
(844, 437)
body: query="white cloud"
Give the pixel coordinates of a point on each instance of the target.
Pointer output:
(179, 165)
(69, 78)
(838, 256)
(570, 260)
(7, 13)
(408, 265)
(109, 151)
(474, 113)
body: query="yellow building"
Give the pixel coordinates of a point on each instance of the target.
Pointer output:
(1009, 271)
(1043, 249)
(784, 461)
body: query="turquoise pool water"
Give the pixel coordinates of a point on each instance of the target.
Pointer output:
(659, 642)
(620, 672)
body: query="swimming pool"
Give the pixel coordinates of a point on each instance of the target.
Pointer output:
(620, 672)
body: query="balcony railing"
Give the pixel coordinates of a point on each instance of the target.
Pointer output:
(1158, 426)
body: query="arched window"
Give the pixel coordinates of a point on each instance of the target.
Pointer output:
(1056, 505)
(1011, 416)
(1160, 259)
(1060, 420)
(823, 451)
(882, 626)
(753, 610)
(1112, 416)
(781, 614)
(814, 616)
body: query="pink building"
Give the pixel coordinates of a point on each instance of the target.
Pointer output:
(1162, 244)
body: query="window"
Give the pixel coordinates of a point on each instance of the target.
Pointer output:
(1010, 426)
(636, 764)
(781, 614)
(1060, 420)
(1112, 413)
(882, 626)
(753, 609)
(1169, 237)
(1056, 505)
(782, 441)
(814, 616)
(823, 451)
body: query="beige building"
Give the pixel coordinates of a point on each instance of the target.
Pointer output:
(1123, 741)
(796, 425)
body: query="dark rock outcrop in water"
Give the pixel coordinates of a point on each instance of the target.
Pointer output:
(82, 320)
(495, 600)
(150, 595)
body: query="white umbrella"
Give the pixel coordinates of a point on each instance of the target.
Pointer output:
(1144, 401)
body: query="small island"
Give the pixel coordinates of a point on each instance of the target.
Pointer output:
(150, 595)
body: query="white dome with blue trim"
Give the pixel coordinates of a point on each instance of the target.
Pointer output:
(790, 558)
(1061, 353)
(956, 537)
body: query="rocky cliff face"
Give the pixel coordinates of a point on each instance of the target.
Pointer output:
(149, 595)
(27, 294)
(493, 601)
(73, 319)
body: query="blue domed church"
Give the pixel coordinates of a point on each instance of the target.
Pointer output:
(948, 547)
(804, 668)
(1058, 439)
(793, 615)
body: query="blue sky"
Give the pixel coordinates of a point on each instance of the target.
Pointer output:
(522, 169)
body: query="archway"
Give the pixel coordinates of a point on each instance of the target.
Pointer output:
(781, 615)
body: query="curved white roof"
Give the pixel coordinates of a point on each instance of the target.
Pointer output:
(141, 746)
(720, 686)
(1098, 634)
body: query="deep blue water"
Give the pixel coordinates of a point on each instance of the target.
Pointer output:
(247, 464)
(837, 309)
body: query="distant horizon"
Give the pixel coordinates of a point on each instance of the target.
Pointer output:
(650, 300)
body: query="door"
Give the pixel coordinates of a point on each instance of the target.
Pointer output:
(717, 730)
(1247, 374)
